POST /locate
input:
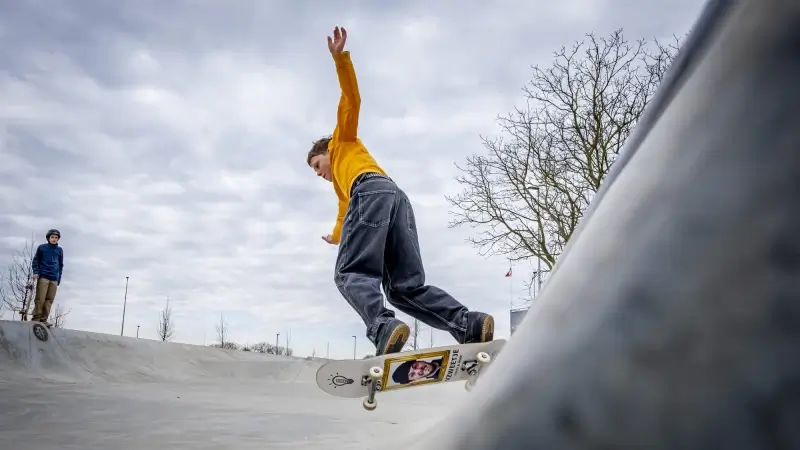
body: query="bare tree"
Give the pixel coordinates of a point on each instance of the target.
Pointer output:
(17, 285)
(230, 345)
(58, 316)
(166, 327)
(264, 347)
(527, 194)
(222, 333)
(222, 336)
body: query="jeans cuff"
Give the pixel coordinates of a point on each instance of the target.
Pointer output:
(372, 331)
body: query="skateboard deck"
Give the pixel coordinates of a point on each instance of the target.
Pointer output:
(30, 293)
(366, 377)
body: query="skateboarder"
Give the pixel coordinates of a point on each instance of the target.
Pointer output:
(47, 265)
(377, 235)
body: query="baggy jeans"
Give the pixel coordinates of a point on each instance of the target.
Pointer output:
(45, 295)
(379, 248)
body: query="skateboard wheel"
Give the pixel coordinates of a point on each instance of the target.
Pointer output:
(369, 405)
(484, 357)
(375, 372)
(468, 385)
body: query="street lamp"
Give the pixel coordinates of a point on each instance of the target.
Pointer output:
(277, 336)
(124, 305)
(354, 347)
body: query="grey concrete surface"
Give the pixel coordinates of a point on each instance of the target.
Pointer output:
(83, 390)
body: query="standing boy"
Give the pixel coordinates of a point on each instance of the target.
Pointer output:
(377, 235)
(47, 265)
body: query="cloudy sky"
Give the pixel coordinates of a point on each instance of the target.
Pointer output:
(167, 141)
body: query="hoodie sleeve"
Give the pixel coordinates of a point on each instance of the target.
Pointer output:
(60, 264)
(350, 101)
(336, 235)
(37, 256)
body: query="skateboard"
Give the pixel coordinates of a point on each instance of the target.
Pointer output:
(26, 302)
(366, 377)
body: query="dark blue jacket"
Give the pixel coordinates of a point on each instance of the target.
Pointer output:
(48, 262)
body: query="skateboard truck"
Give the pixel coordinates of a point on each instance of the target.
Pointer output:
(372, 382)
(472, 369)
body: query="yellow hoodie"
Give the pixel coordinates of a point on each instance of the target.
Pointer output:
(349, 157)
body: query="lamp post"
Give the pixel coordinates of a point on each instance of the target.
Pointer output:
(277, 336)
(124, 306)
(137, 331)
(354, 347)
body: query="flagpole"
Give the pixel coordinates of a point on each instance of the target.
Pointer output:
(510, 294)
(510, 275)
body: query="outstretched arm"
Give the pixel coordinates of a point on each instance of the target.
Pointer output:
(350, 100)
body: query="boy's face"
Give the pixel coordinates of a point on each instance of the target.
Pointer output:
(322, 166)
(53, 239)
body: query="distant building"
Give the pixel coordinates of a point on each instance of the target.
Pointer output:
(517, 315)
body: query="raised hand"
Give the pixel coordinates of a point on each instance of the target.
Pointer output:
(336, 45)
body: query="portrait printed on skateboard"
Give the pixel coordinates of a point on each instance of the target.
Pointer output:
(416, 369)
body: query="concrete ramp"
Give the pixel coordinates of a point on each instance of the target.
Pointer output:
(672, 321)
(92, 390)
(31, 351)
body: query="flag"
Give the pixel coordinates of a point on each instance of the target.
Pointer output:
(508, 274)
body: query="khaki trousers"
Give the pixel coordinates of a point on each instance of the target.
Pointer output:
(45, 294)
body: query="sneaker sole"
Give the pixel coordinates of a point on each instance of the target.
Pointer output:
(487, 332)
(397, 340)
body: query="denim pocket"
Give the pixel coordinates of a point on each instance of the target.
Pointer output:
(375, 207)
